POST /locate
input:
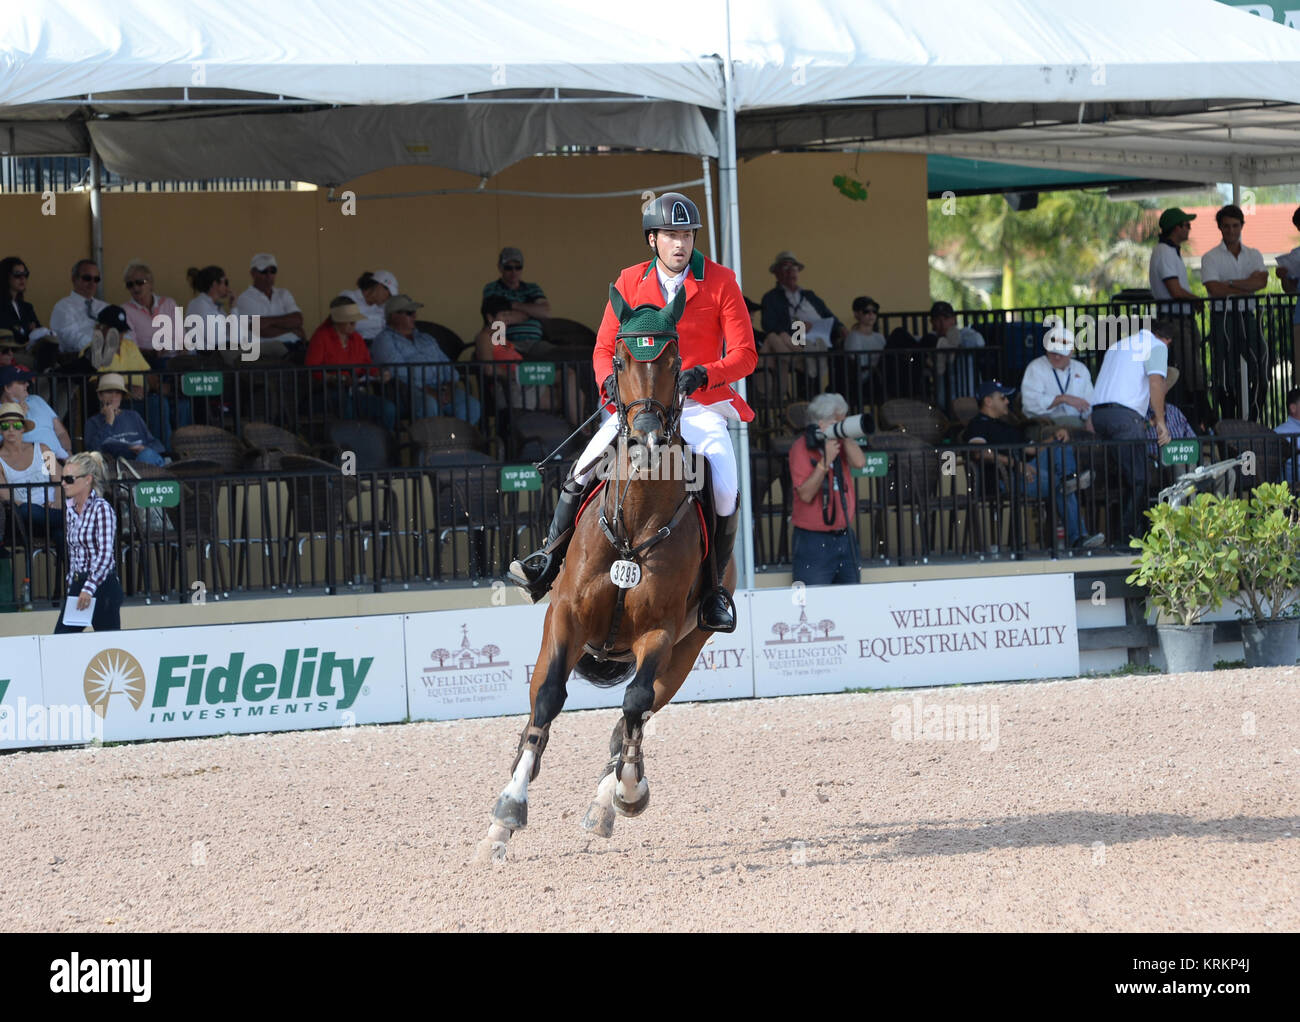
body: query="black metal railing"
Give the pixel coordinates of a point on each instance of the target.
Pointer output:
(36, 174)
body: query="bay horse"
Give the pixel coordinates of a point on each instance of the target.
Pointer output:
(626, 600)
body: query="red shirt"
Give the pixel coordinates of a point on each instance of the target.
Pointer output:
(808, 514)
(326, 349)
(715, 312)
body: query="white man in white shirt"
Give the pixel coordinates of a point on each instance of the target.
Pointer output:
(1232, 273)
(1056, 386)
(1168, 277)
(73, 318)
(1131, 381)
(280, 317)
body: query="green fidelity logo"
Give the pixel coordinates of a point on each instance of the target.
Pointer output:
(300, 675)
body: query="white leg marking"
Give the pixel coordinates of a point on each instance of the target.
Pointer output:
(518, 786)
(630, 790)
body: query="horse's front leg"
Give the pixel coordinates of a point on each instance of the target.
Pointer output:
(623, 788)
(549, 690)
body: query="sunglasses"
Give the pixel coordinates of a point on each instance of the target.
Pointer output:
(88, 279)
(136, 283)
(71, 479)
(21, 274)
(512, 266)
(269, 270)
(403, 312)
(7, 426)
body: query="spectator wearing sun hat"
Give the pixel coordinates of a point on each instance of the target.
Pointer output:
(370, 294)
(117, 432)
(281, 319)
(787, 304)
(337, 341)
(1057, 386)
(48, 429)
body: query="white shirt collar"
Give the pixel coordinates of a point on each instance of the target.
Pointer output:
(670, 284)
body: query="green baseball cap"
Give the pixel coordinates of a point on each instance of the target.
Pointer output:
(1175, 217)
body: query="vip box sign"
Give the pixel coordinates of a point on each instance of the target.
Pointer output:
(184, 682)
(161, 493)
(877, 465)
(202, 384)
(536, 374)
(516, 478)
(1181, 452)
(914, 633)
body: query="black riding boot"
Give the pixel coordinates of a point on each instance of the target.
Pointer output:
(717, 612)
(536, 573)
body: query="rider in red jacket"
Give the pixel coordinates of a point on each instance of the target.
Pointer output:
(716, 342)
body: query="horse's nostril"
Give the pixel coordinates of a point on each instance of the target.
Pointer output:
(645, 422)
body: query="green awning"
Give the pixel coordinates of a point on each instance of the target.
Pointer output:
(973, 177)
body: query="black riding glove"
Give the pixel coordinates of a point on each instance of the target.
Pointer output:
(608, 386)
(692, 380)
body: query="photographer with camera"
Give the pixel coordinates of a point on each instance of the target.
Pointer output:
(825, 499)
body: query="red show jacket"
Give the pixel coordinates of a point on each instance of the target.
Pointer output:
(715, 312)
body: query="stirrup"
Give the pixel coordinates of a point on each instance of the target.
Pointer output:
(725, 625)
(534, 574)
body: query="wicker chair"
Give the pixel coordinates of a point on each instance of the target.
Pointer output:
(904, 499)
(568, 333)
(1270, 455)
(270, 443)
(916, 418)
(442, 433)
(210, 443)
(372, 444)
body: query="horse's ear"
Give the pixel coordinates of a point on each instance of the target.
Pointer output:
(620, 307)
(678, 305)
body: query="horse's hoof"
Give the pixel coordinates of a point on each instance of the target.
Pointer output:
(637, 805)
(511, 813)
(489, 853)
(599, 820)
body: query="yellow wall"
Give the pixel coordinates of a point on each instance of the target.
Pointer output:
(443, 248)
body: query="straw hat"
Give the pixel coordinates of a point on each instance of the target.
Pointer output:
(111, 381)
(10, 410)
(347, 313)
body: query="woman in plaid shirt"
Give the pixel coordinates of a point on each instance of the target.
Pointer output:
(91, 525)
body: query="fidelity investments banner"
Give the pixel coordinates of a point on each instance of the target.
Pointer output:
(479, 663)
(219, 679)
(829, 638)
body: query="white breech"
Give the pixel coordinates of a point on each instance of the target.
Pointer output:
(704, 429)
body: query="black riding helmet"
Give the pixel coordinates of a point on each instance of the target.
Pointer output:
(671, 211)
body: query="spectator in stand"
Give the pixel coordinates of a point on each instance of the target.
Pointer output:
(1176, 422)
(118, 433)
(114, 351)
(16, 312)
(788, 304)
(91, 525)
(34, 463)
(427, 389)
(337, 341)
(1288, 272)
(954, 376)
(280, 318)
(1057, 387)
(825, 549)
(211, 292)
(142, 307)
(370, 294)
(1130, 388)
(1030, 469)
(1291, 427)
(864, 337)
(1176, 303)
(1232, 273)
(73, 318)
(528, 305)
(48, 428)
(11, 348)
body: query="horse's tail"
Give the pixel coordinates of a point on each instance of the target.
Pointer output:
(604, 673)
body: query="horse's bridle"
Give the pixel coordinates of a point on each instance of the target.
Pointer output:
(669, 418)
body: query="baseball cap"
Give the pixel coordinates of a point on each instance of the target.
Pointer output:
(401, 303)
(262, 260)
(510, 254)
(112, 316)
(993, 387)
(1059, 340)
(1171, 218)
(388, 280)
(14, 373)
(784, 257)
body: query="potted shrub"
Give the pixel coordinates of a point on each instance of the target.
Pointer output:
(1188, 568)
(1266, 533)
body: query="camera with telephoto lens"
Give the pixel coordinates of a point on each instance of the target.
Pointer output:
(849, 428)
